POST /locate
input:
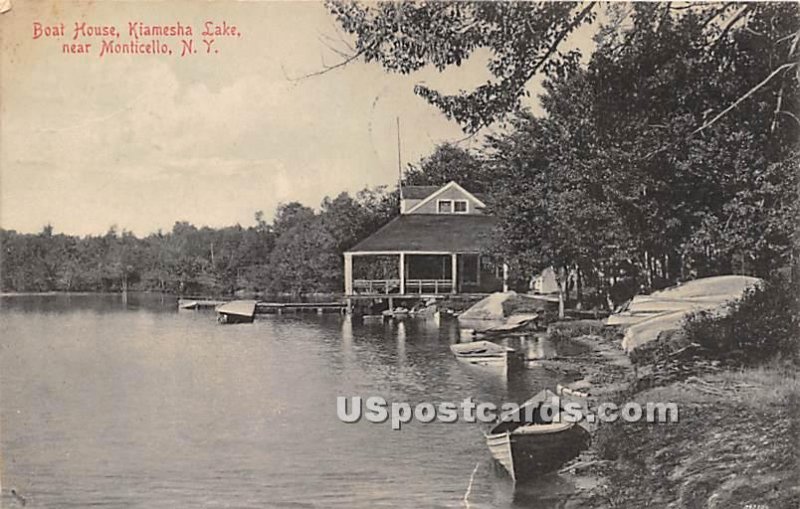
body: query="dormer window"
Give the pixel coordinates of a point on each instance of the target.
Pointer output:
(452, 206)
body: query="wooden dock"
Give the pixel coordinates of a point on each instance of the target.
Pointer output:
(361, 303)
(276, 308)
(279, 308)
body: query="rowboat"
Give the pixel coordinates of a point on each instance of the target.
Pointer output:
(514, 323)
(529, 441)
(187, 304)
(482, 353)
(237, 311)
(700, 294)
(648, 316)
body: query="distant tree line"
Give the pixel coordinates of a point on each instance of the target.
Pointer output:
(298, 253)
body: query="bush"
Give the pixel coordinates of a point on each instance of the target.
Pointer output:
(763, 325)
(559, 331)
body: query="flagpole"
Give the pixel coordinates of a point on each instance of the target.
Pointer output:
(399, 162)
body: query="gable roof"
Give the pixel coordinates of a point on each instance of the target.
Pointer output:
(446, 233)
(450, 185)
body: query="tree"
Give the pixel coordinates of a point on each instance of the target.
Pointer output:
(614, 176)
(344, 218)
(550, 209)
(449, 162)
(525, 39)
(288, 215)
(305, 259)
(674, 177)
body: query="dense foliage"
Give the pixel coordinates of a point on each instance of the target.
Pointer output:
(615, 181)
(522, 37)
(763, 324)
(672, 154)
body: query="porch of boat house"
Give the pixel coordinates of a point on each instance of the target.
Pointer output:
(412, 273)
(423, 256)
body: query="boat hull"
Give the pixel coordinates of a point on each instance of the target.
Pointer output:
(187, 304)
(500, 449)
(228, 318)
(481, 353)
(525, 456)
(238, 311)
(484, 360)
(537, 454)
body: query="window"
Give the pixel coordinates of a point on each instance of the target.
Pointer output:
(451, 206)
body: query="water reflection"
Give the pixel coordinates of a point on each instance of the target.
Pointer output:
(347, 334)
(538, 347)
(401, 341)
(71, 302)
(139, 405)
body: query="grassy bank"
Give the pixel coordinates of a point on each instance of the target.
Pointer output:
(735, 445)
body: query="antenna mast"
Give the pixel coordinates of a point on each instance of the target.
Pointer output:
(399, 162)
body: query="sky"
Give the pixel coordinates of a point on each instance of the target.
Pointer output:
(143, 141)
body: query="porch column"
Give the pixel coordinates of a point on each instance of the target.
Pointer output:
(478, 278)
(402, 273)
(454, 272)
(505, 277)
(348, 274)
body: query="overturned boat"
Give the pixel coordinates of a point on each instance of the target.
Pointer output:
(481, 353)
(648, 316)
(699, 294)
(514, 323)
(187, 304)
(536, 438)
(237, 311)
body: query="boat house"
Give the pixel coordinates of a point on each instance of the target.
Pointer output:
(437, 246)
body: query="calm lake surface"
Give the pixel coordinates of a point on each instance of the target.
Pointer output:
(109, 404)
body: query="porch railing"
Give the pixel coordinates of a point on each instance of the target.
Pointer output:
(376, 286)
(421, 286)
(417, 286)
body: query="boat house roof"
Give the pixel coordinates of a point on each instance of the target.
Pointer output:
(431, 233)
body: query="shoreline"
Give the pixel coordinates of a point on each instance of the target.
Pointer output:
(52, 293)
(718, 454)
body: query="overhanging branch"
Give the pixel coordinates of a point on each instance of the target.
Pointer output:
(738, 101)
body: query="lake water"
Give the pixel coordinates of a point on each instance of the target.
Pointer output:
(112, 404)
